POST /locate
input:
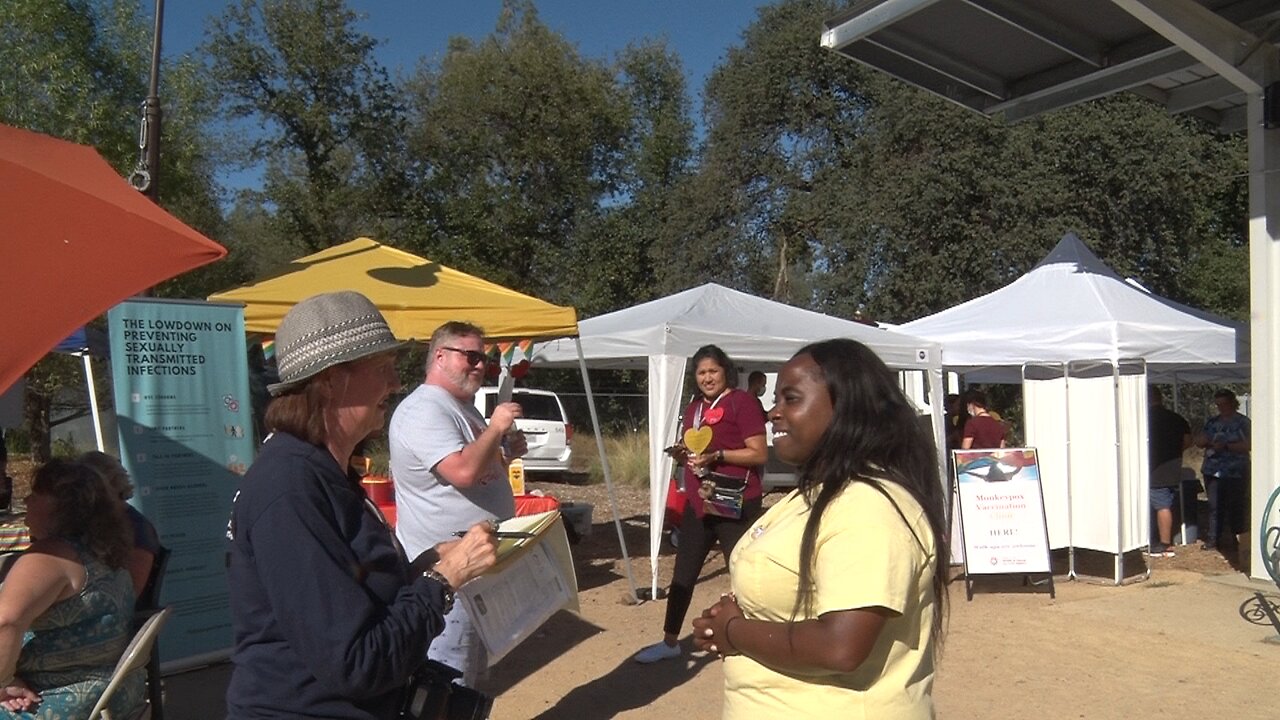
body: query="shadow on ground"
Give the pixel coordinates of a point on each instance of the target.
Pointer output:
(556, 637)
(595, 557)
(628, 686)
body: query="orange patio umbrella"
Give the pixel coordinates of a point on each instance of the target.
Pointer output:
(75, 239)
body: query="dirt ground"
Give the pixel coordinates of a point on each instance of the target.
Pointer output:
(1190, 639)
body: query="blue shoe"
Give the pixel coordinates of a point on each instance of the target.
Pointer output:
(656, 652)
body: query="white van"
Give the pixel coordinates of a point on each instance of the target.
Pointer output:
(545, 425)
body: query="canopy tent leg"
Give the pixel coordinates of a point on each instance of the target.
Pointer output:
(1071, 525)
(604, 467)
(93, 401)
(1120, 504)
(938, 409)
(666, 381)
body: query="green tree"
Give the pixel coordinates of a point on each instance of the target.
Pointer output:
(334, 124)
(611, 249)
(516, 140)
(77, 69)
(963, 205)
(783, 118)
(833, 187)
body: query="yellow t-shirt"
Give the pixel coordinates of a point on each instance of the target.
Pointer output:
(865, 556)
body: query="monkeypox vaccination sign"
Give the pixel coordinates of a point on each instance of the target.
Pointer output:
(181, 384)
(1001, 511)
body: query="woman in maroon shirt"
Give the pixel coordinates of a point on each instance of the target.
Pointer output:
(729, 464)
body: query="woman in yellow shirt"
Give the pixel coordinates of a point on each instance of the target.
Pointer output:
(838, 590)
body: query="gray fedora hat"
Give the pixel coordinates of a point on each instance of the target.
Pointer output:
(326, 330)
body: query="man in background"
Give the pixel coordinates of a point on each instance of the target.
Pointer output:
(756, 383)
(450, 470)
(1168, 435)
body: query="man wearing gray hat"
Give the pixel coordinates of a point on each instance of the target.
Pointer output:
(450, 469)
(329, 616)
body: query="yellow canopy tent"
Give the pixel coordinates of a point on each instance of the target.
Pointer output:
(415, 294)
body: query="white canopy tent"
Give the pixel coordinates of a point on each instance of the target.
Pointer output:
(1071, 306)
(1083, 342)
(662, 334)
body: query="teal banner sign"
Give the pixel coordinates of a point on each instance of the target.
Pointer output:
(186, 435)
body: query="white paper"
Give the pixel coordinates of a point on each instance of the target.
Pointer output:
(508, 604)
(506, 384)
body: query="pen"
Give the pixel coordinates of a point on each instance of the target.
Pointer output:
(501, 534)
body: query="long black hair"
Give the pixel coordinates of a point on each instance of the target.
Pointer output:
(719, 357)
(875, 432)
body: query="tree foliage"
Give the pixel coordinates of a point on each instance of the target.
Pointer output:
(783, 117)
(837, 188)
(77, 69)
(517, 140)
(333, 122)
(963, 205)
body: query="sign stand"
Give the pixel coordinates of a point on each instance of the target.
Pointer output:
(1002, 520)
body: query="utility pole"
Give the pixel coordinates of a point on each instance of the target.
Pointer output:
(146, 176)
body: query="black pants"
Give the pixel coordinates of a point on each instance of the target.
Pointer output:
(697, 535)
(1228, 497)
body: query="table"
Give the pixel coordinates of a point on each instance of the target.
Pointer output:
(14, 535)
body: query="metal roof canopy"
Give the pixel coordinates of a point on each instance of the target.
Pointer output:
(1215, 59)
(1020, 58)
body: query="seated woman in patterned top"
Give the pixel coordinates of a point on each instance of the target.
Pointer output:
(66, 606)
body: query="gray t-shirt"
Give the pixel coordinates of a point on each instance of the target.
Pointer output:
(428, 426)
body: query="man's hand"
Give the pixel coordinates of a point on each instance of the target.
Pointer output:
(514, 445)
(504, 416)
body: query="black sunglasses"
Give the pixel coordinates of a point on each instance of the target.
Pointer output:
(474, 357)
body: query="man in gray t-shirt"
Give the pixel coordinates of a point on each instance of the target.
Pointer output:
(450, 469)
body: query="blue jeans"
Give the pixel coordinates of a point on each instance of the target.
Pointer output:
(1226, 506)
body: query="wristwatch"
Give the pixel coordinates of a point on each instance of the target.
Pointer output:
(719, 456)
(433, 574)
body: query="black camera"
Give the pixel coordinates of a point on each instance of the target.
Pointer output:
(433, 695)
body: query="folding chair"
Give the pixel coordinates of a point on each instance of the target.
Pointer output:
(147, 605)
(135, 656)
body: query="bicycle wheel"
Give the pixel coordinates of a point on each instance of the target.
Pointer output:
(1269, 536)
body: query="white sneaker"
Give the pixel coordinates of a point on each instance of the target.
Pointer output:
(656, 652)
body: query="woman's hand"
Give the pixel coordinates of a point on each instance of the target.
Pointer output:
(678, 452)
(469, 557)
(704, 460)
(18, 697)
(709, 630)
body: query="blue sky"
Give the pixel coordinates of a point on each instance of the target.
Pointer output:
(700, 31)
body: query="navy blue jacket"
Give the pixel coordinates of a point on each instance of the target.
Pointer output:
(329, 621)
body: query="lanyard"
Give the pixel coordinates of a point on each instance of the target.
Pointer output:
(697, 413)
